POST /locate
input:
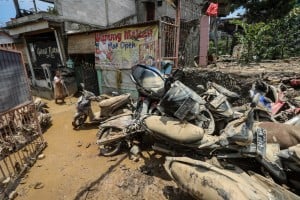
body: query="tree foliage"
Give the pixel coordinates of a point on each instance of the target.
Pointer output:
(263, 10)
(277, 39)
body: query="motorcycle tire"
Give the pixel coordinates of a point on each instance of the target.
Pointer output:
(111, 149)
(79, 120)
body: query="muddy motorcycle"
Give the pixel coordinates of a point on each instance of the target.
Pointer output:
(167, 96)
(212, 176)
(214, 180)
(218, 101)
(274, 102)
(175, 137)
(210, 110)
(159, 96)
(284, 110)
(241, 139)
(109, 106)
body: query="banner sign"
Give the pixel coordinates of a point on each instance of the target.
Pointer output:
(125, 47)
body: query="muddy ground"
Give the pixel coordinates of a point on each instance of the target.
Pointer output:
(73, 169)
(239, 77)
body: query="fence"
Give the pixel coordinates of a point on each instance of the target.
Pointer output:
(187, 40)
(21, 140)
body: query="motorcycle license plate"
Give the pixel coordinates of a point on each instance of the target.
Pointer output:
(185, 107)
(218, 100)
(261, 141)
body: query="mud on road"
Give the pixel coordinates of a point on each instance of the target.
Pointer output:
(73, 169)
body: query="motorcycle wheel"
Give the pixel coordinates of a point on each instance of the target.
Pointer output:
(79, 120)
(111, 149)
(206, 121)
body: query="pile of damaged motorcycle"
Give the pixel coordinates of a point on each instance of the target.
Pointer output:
(43, 115)
(213, 150)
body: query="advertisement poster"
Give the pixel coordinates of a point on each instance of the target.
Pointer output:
(122, 48)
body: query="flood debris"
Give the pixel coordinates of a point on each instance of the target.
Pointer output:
(12, 195)
(79, 144)
(41, 156)
(135, 185)
(88, 145)
(38, 185)
(43, 115)
(215, 122)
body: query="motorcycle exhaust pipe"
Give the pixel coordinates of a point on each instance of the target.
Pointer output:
(107, 141)
(161, 149)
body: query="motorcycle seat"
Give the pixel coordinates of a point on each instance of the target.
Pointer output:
(173, 129)
(108, 106)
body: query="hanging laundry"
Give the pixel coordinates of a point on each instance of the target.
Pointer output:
(212, 9)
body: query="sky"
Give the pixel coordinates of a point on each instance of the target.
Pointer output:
(234, 14)
(7, 9)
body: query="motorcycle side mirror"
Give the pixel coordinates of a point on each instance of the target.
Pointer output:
(82, 86)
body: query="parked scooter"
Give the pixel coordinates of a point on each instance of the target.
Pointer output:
(109, 106)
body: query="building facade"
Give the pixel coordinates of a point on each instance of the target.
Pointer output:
(64, 37)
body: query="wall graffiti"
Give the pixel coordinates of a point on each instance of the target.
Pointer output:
(48, 52)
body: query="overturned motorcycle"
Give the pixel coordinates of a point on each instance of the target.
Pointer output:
(211, 180)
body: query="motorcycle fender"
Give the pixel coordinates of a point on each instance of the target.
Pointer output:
(206, 181)
(171, 128)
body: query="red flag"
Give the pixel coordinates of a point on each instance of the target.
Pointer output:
(212, 9)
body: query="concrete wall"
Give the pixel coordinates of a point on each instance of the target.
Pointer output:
(160, 11)
(81, 43)
(94, 12)
(5, 38)
(21, 47)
